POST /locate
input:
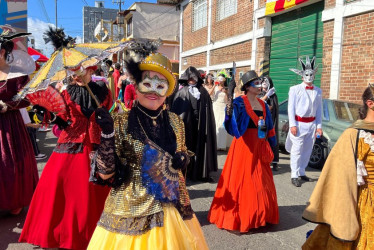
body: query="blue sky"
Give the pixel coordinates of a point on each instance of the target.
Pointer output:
(69, 17)
(69, 12)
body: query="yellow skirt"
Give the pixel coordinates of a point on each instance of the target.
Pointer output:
(175, 234)
(322, 239)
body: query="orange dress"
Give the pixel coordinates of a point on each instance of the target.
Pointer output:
(245, 197)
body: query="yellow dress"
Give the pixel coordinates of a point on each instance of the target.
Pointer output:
(321, 237)
(133, 218)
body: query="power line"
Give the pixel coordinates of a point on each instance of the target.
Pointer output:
(44, 10)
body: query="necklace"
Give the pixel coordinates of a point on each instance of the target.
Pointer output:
(137, 117)
(152, 117)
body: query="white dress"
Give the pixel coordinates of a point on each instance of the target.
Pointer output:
(219, 104)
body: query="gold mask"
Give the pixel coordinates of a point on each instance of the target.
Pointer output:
(153, 85)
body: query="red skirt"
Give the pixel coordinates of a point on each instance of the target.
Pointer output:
(66, 206)
(245, 197)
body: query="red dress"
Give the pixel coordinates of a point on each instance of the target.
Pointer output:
(66, 206)
(245, 197)
(18, 170)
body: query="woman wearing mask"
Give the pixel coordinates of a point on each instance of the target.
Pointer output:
(219, 104)
(245, 197)
(209, 84)
(66, 206)
(141, 155)
(269, 96)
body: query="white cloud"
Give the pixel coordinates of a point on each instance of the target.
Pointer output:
(37, 27)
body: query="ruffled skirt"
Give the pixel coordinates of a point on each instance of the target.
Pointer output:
(175, 234)
(322, 239)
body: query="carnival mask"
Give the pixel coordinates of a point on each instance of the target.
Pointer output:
(308, 76)
(153, 85)
(265, 84)
(256, 83)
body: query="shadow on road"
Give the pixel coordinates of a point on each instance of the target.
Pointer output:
(10, 228)
(202, 216)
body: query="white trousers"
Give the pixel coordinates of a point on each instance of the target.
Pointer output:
(300, 147)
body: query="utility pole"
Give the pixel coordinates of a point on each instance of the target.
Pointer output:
(119, 2)
(56, 12)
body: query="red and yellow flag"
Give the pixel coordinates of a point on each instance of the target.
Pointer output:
(274, 6)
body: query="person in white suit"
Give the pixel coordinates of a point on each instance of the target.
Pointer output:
(305, 120)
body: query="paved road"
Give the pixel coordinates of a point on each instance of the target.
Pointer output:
(288, 234)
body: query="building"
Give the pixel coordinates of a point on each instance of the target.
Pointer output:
(14, 13)
(269, 36)
(92, 18)
(154, 21)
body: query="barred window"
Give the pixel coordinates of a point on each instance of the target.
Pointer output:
(200, 14)
(226, 8)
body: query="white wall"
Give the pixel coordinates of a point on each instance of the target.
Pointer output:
(156, 21)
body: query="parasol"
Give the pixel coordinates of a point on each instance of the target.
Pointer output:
(67, 56)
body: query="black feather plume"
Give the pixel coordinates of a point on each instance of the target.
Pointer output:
(58, 38)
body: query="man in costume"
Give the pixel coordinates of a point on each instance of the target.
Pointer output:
(193, 104)
(305, 120)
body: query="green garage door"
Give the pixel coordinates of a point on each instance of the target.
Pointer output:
(295, 34)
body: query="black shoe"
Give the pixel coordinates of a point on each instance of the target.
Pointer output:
(275, 167)
(295, 182)
(304, 178)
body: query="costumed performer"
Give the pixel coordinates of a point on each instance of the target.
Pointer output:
(342, 201)
(305, 120)
(193, 104)
(269, 96)
(18, 170)
(219, 104)
(142, 157)
(245, 197)
(66, 206)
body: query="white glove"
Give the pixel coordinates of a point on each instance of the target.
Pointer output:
(270, 92)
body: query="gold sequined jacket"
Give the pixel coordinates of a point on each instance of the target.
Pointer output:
(129, 209)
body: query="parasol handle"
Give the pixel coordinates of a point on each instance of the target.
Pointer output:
(92, 95)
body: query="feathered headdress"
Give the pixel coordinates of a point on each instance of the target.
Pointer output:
(308, 65)
(137, 51)
(58, 38)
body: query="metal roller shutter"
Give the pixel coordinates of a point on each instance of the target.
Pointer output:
(295, 34)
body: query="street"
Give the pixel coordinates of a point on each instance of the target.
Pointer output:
(288, 234)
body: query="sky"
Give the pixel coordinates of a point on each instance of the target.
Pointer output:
(69, 17)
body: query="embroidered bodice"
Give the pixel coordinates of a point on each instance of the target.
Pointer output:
(130, 209)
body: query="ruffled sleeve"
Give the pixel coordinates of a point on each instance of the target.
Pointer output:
(365, 144)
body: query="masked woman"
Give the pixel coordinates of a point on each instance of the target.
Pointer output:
(269, 96)
(66, 206)
(245, 197)
(151, 210)
(18, 170)
(342, 201)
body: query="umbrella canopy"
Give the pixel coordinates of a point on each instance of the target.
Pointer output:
(40, 57)
(62, 60)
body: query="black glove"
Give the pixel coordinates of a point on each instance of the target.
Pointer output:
(180, 160)
(105, 120)
(61, 123)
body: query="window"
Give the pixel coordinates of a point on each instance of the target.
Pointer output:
(199, 15)
(346, 111)
(226, 8)
(325, 109)
(283, 108)
(129, 27)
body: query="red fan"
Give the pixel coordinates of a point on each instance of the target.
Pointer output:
(49, 98)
